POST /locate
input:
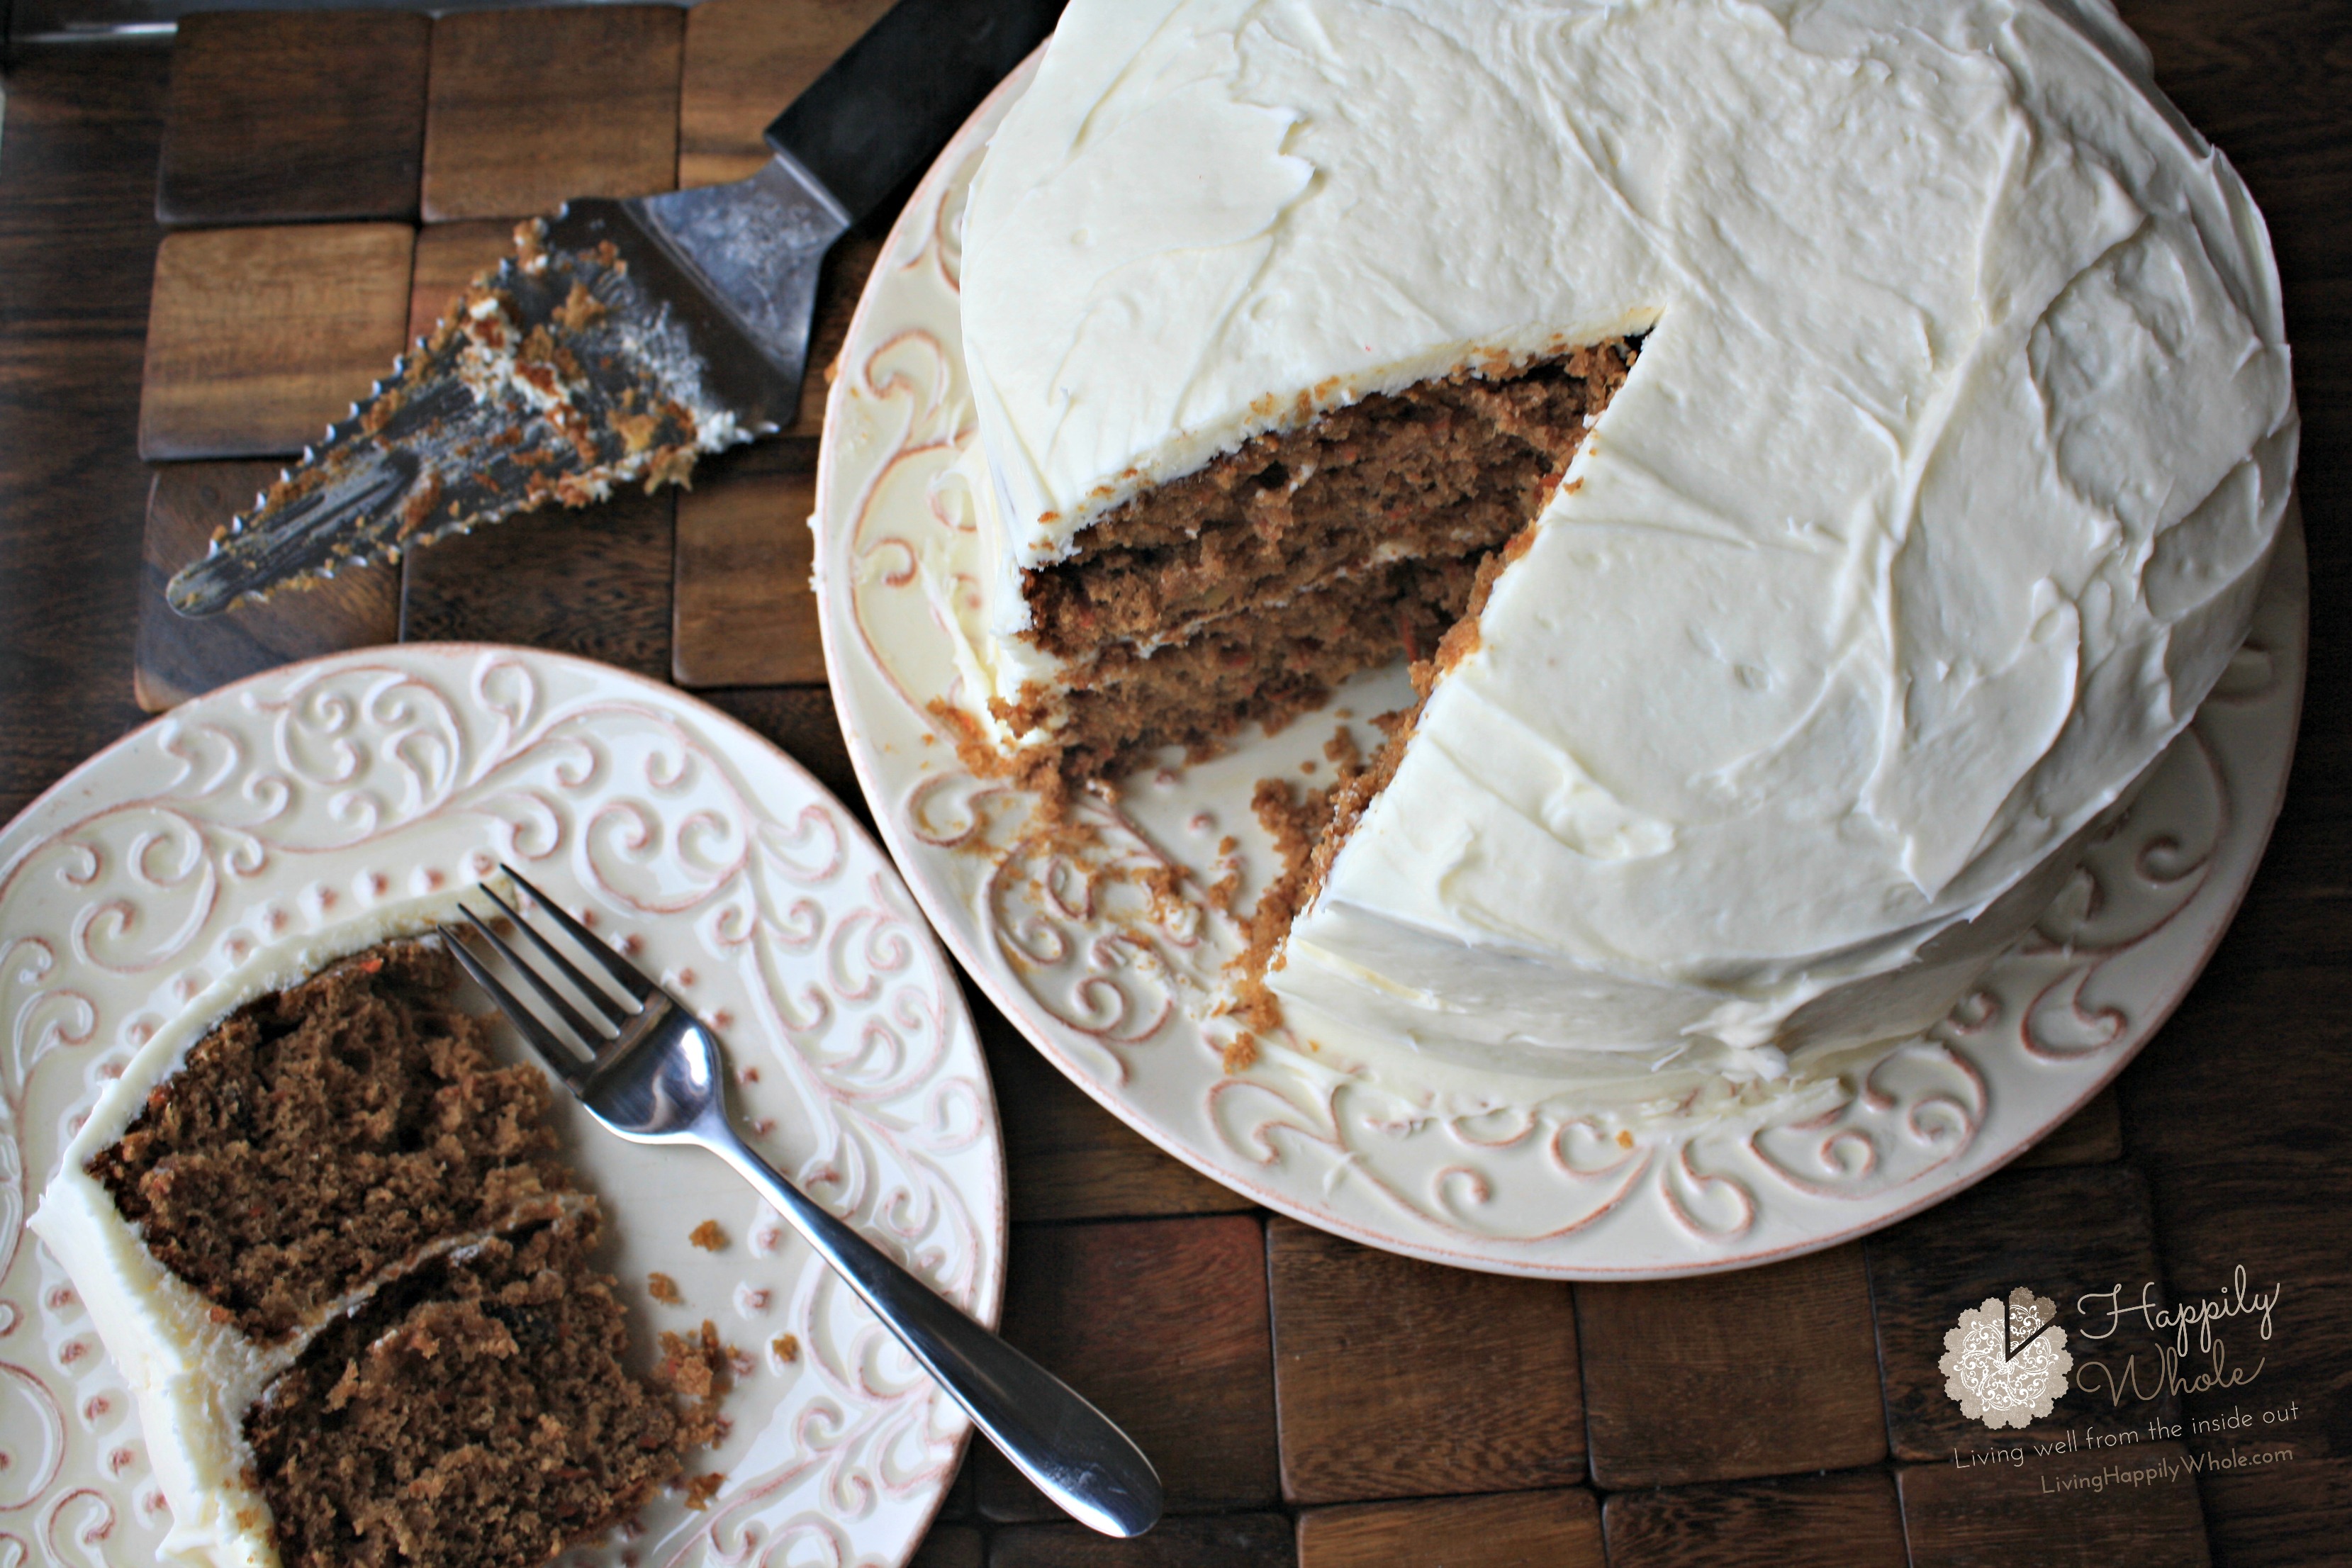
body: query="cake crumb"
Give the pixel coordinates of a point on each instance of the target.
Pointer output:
(1241, 1053)
(709, 1236)
(785, 1348)
(1624, 1139)
(696, 1367)
(664, 1289)
(699, 1489)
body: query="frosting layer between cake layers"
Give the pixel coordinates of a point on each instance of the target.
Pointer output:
(191, 1373)
(1935, 503)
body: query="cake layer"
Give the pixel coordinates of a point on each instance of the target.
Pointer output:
(1937, 500)
(321, 1135)
(1262, 667)
(389, 1053)
(478, 1414)
(1446, 468)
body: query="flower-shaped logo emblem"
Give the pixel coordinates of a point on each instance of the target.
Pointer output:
(2005, 1367)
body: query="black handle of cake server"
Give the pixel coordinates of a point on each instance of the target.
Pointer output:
(886, 108)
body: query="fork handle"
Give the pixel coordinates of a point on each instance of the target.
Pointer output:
(1070, 1449)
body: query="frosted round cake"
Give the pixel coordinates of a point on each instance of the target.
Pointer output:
(1817, 454)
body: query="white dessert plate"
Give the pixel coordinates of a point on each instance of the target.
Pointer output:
(298, 800)
(1526, 1176)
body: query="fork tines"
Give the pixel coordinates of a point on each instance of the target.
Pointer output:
(590, 1034)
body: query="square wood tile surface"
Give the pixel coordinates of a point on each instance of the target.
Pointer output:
(1766, 1372)
(2061, 1233)
(450, 256)
(1398, 1378)
(1851, 1519)
(2296, 1515)
(259, 338)
(745, 60)
(842, 280)
(528, 108)
(801, 720)
(1516, 1530)
(1209, 1540)
(2066, 1510)
(594, 583)
(178, 658)
(2286, 1216)
(1067, 1158)
(2092, 1136)
(744, 613)
(289, 116)
(1162, 1324)
(950, 1546)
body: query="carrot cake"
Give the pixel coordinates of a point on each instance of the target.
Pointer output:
(329, 1241)
(1885, 404)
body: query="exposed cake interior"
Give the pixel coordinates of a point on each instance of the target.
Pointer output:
(343, 1171)
(477, 1414)
(324, 1134)
(1244, 590)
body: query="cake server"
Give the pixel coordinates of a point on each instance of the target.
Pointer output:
(649, 1071)
(624, 339)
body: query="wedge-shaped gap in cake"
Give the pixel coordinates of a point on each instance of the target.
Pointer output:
(1245, 590)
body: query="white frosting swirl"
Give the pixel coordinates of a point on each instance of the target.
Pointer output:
(1937, 502)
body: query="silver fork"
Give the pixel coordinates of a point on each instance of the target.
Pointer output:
(652, 1075)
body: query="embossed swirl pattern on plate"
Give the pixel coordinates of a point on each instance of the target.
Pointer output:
(297, 800)
(1078, 937)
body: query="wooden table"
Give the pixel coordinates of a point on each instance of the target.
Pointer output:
(1308, 1401)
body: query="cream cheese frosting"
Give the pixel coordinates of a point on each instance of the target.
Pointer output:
(1937, 502)
(192, 1375)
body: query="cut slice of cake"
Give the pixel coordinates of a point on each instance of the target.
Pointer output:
(1938, 498)
(327, 1237)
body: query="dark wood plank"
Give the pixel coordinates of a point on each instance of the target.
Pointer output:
(2062, 1233)
(448, 257)
(801, 720)
(2238, 1112)
(180, 657)
(528, 108)
(1844, 1520)
(594, 583)
(2296, 1515)
(1730, 1376)
(846, 267)
(1067, 1158)
(745, 613)
(745, 60)
(260, 338)
(1515, 1530)
(76, 253)
(1760, 1372)
(2092, 1136)
(950, 1546)
(1398, 1378)
(1162, 1324)
(1209, 1540)
(2047, 1512)
(338, 132)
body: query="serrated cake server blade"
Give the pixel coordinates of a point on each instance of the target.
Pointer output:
(624, 339)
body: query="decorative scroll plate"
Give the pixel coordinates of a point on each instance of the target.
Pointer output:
(1075, 935)
(301, 798)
